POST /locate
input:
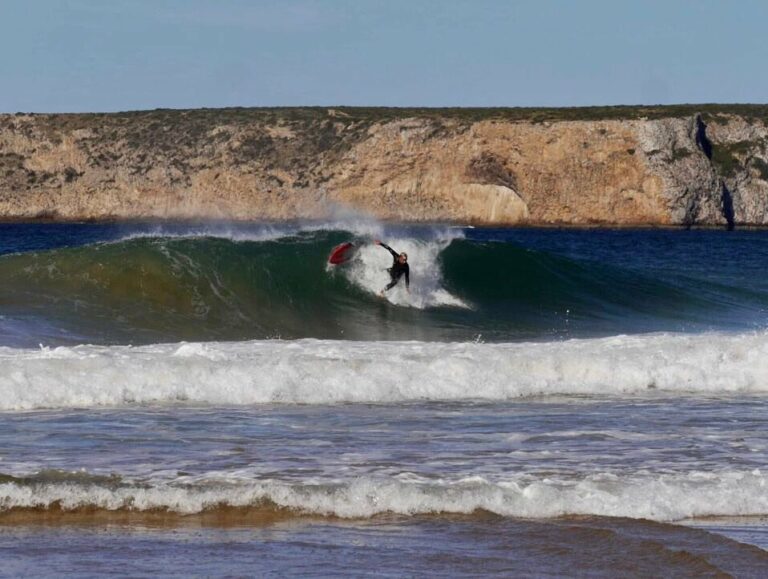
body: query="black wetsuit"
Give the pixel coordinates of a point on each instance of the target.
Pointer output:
(397, 270)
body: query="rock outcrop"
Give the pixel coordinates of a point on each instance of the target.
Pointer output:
(653, 166)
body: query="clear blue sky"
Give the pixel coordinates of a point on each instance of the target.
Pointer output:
(107, 55)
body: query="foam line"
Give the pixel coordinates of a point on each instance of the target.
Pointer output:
(667, 497)
(327, 372)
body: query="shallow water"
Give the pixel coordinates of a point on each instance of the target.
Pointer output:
(656, 457)
(392, 547)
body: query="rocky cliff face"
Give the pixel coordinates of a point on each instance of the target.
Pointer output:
(626, 167)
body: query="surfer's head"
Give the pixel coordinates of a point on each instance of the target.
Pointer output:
(403, 257)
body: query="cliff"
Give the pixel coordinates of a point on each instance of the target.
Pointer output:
(681, 165)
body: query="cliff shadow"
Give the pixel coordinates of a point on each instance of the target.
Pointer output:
(703, 142)
(727, 199)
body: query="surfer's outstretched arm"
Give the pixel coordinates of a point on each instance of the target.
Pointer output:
(388, 248)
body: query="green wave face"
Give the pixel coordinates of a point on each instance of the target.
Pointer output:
(169, 289)
(197, 288)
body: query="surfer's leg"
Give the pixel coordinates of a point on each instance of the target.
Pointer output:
(395, 278)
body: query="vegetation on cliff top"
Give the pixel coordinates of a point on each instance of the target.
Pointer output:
(243, 115)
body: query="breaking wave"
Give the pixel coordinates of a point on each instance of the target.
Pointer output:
(660, 497)
(159, 286)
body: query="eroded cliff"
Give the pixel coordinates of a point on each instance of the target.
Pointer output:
(703, 165)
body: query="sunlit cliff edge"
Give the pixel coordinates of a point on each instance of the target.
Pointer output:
(601, 166)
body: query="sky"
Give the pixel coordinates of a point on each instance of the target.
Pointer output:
(112, 55)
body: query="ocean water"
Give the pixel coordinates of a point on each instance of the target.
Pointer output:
(214, 399)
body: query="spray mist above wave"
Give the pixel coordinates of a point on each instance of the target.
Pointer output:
(329, 372)
(665, 497)
(342, 219)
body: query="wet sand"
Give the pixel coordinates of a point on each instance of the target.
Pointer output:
(255, 541)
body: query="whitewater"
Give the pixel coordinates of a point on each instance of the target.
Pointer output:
(659, 498)
(332, 372)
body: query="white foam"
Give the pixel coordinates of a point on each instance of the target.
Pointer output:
(666, 497)
(323, 372)
(369, 271)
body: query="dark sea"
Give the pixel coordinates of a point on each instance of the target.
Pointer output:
(215, 399)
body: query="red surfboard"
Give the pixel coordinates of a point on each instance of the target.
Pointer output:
(341, 253)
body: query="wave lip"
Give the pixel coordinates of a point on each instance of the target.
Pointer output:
(669, 497)
(329, 372)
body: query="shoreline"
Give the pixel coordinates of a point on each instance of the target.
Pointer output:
(264, 515)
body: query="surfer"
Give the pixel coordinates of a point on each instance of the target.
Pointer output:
(399, 268)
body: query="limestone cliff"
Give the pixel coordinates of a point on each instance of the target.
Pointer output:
(618, 166)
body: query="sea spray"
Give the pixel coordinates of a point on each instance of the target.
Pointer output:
(368, 270)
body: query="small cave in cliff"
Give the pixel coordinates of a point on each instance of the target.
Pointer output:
(490, 169)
